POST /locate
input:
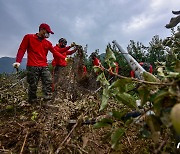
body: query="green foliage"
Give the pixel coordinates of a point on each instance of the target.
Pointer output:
(50, 67)
(126, 99)
(116, 136)
(103, 123)
(34, 115)
(149, 77)
(156, 51)
(105, 98)
(158, 92)
(110, 57)
(138, 51)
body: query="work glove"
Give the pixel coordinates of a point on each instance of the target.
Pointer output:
(16, 65)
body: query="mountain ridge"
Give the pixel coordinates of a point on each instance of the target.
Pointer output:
(6, 64)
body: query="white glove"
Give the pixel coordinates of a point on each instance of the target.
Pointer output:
(16, 65)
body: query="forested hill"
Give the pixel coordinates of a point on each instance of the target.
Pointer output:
(6, 64)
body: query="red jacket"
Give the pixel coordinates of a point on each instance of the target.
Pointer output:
(64, 51)
(37, 50)
(132, 73)
(96, 62)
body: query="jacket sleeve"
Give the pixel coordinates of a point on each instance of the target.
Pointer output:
(70, 52)
(62, 50)
(56, 53)
(22, 49)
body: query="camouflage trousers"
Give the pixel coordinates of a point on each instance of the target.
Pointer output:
(34, 74)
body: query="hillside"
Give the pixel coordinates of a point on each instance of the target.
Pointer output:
(6, 64)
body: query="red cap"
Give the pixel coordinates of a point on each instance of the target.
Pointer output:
(46, 27)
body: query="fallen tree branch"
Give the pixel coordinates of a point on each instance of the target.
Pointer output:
(139, 81)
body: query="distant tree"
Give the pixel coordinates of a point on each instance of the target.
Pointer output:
(156, 51)
(138, 51)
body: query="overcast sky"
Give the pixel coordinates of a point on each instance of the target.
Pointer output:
(92, 22)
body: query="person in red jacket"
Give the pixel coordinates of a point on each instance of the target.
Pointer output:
(96, 62)
(146, 66)
(37, 47)
(58, 63)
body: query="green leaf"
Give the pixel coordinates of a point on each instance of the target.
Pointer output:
(118, 115)
(126, 99)
(97, 69)
(128, 122)
(120, 84)
(100, 125)
(105, 98)
(106, 120)
(159, 96)
(144, 94)
(109, 55)
(173, 74)
(34, 115)
(103, 123)
(116, 136)
(102, 79)
(149, 77)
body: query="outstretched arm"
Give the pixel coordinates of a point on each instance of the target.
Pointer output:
(22, 49)
(56, 53)
(62, 50)
(71, 52)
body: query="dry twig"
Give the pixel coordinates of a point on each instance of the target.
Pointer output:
(24, 143)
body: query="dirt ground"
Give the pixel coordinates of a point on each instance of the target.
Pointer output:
(60, 126)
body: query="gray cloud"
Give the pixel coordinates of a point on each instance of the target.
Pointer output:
(94, 22)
